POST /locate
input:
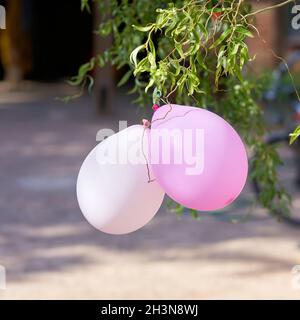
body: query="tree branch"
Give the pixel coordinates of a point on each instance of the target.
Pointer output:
(270, 8)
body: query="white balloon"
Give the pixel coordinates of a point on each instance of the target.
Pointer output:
(113, 191)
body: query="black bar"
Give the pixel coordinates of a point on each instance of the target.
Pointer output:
(145, 309)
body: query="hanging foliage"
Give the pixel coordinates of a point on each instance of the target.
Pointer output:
(193, 53)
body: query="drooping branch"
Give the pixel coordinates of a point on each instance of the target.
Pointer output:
(278, 5)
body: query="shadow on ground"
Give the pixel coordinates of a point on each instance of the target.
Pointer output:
(43, 143)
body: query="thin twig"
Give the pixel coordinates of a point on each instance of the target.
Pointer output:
(145, 157)
(269, 8)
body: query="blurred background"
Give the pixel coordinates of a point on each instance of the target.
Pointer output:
(48, 249)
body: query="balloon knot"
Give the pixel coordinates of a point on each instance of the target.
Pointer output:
(146, 123)
(155, 107)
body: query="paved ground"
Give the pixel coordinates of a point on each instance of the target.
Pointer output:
(49, 250)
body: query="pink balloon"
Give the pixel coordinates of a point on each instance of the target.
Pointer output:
(212, 169)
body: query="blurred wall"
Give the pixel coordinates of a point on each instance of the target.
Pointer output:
(260, 45)
(276, 34)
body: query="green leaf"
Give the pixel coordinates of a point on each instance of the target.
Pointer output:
(125, 78)
(203, 30)
(82, 72)
(85, 6)
(295, 135)
(171, 27)
(151, 54)
(222, 37)
(134, 53)
(200, 60)
(151, 59)
(244, 31)
(143, 66)
(221, 53)
(150, 84)
(143, 29)
(238, 73)
(179, 50)
(105, 29)
(195, 214)
(151, 47)
(235, 49)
